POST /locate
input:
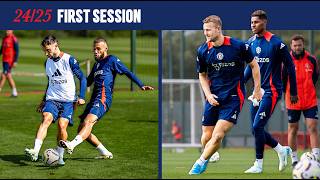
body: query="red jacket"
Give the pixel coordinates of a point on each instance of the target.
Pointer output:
(307, 74)
(9, 49)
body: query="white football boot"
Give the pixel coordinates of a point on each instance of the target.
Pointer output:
(31, 153)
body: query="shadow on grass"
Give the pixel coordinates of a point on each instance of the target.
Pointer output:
(16, 159)
(81, 159)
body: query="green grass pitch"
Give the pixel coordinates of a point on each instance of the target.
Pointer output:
(233, 162)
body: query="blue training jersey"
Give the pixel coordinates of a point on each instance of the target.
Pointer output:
(103, 75)
(224, 66)
(270, 52)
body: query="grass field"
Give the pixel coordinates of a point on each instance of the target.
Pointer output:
(129, 130)
(233, 162)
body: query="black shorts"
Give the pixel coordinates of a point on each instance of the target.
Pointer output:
(294, 115)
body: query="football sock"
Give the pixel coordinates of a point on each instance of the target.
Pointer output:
(76, 141)
(294, 156)
(201, 161)
(102, 149)
(316, 151)
(60, 151)
(278, 148)
(37, 145)
(259, 162)
(14, 92)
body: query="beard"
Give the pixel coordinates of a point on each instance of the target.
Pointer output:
(214, 39)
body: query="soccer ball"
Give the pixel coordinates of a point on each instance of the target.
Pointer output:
(308, 156)
(50, 157)
(306, 169)
(215, 157)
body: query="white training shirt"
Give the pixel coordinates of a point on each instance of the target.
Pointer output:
(61, 81)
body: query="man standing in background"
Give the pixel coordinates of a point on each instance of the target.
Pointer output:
(307, 74)
(10, 52)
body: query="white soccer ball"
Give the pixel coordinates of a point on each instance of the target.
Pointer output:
(306, 169)
(215, 157)
(308, 156)
(50, 157)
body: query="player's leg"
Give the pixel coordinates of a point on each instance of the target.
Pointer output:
(12, 85)
(47, 119)
(227, 115)
(5, 67)
(3, 80)
(311, 116)
(219, 132)
(94, 141)
(262, 137)
(205, 137)
(62, 135)
(293, 127)
(83, 134)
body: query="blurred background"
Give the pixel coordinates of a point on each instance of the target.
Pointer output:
(182, 98)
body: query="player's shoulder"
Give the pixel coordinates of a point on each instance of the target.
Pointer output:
(251, 39)
(112, 58)
(233, 41)
(202, 48)
(311, 57)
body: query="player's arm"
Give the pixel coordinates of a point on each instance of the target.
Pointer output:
(247, 73)
(83, 80)
(256, 79)
(16, 50)
(41, 105)
(289, 65)
(284, 75)
(315, 73)
(203, 78)
(204, 82)
(120, 68)
(90, 77)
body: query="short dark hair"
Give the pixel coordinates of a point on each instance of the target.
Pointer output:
(297, 37)
(214, 19)
(48, 40)
(99, 40)
(260, 14)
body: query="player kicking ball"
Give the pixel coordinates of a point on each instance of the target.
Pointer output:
(102, 76)
(58, 102)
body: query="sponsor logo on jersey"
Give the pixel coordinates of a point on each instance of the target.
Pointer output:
(218, 66)
(220, 56)
(57, 73)
(60, 81)
(98, 72)
(258, 50)
(262, 60)
(97, 105)
(282, 45)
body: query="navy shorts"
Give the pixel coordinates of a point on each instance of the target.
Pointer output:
(294, 115)
(96, 108)
(228, 111)
(59, 109)
(6, 67)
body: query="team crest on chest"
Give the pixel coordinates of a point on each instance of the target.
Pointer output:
(258, 50)
(220, 56)
(98, 65)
